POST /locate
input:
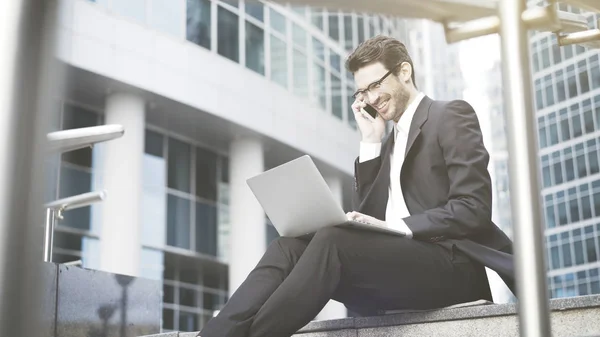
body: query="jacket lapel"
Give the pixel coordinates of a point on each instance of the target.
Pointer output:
(418, 120)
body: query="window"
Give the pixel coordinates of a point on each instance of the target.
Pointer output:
(581, 166)
(300, 64)
(336, 96)
(562, 214)
(178, 222)
(206, 174)
(133, 9)
(550, 219)
(74, 182)
(255, 9)
(595, 71)
(588, 116)
(234, 3)
(569, 164)
(334, 29)
(255, 48)
(206, 229)
(560, 86)
(584, 83)
(539, 99)
(319, 85)
(565, 130)
(75, 117)
(545, 169)
(556, 51)
(198, 22)
(592, 156)
(318, 49)
(542, 137)
(166, 16)
(228, 34)
(317, 18)
(179, 165)
(348, 40)
(278, 61)
(585, 206)
(558, 177)
(576, 121)
(549, 90)
(572, 81)
(597, 111)
(534, 57)
(335, 61)
(277, 20)
(360, 29)
(553, 129)
(555, 257)
(566, 252)
(299, 36)
(578, 248)
(573, 205)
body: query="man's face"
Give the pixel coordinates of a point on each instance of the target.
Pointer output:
(390, 98)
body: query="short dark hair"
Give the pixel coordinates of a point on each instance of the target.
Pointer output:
(387, 50)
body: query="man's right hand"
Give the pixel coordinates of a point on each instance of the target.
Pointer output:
(371, 129)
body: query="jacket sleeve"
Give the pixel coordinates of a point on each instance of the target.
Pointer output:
(468, 209)
(364, 177)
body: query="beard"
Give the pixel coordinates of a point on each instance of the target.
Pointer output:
(401, 97)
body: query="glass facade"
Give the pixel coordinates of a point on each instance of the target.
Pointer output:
(76, 236)
(184, 217)
(567, 100)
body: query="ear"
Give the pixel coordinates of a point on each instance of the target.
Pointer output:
(405, 72)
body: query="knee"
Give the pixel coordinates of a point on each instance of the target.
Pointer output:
(288, 246)
(329, 235)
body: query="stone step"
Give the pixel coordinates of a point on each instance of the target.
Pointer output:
(576, 316)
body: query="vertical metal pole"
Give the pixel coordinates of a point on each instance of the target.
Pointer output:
(523, 167)
(49, 234)
(26, 37)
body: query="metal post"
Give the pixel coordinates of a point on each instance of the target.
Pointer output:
(26, 36)
(523, 167)
(49, 234)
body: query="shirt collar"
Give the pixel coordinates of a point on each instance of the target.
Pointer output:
(407, 117)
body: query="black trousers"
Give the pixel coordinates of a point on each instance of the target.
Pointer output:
(367, 271)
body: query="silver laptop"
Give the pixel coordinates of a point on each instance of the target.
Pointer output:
(298, 201)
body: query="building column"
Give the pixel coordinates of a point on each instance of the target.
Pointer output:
(247, 218)
(334, 309)
(120, 242)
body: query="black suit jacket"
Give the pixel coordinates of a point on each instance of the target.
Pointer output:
(445, 183)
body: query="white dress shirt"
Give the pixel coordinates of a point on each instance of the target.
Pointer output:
(396, 208)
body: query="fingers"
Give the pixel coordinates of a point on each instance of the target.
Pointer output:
(359, 112)
(358, 105)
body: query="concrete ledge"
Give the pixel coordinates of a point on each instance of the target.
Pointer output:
(576, 316)
(439, 315)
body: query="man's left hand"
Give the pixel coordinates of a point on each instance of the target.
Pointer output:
(365, 218)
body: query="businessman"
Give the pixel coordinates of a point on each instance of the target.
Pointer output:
(428, 179)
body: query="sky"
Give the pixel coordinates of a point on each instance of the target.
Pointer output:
(477, 56)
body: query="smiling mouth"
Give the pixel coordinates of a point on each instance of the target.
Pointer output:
(382, 105)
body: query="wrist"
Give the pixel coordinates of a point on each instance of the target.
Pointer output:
(371, 139)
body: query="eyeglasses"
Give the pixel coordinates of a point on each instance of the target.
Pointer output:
(376, 84)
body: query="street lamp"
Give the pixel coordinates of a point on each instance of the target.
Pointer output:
(74, 139)
(55, 209)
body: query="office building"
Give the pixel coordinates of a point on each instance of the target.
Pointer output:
(210, 93)
(567, 103)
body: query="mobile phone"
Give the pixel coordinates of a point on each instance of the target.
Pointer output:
(370, 110)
